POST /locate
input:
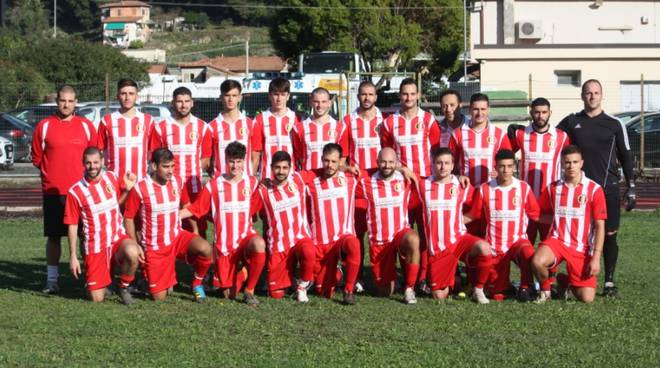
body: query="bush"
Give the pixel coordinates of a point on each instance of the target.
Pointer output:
(136, 44)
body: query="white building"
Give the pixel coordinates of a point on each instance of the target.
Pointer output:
(125, 22)
(552, 47)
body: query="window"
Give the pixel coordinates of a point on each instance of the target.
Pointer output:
(119, 12)
(568, 77)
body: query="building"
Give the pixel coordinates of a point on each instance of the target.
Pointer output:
(125, 22)
(201, 70)
(549, 48)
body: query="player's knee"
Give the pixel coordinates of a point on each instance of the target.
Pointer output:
(483, 247)
(412, 241)
(258, 244)
(131, 252)
(586, 296)
(202, 246)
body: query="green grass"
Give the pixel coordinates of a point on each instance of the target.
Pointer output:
(66, 330)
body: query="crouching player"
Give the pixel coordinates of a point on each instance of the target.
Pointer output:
(289, 241)
(443, 199)
(238, 247)
(157, 199)
(95, 202)
(576, 208)
(507, 204)
(387, 193)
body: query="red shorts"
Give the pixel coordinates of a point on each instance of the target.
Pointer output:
(325, 268)
(577, 264)
(282, 265)
(383, 259)
(499, 280)
(442, 267)
(360, 222)
(193, 186)
(160, 264)
(98, 267)
(227, 269)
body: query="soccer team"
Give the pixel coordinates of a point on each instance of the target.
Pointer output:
(133, 190)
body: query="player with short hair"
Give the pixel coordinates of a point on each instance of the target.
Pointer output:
(58, 142)
(387, 194)
(576, 208)
(452, 117)
(231, 125)
(238, 247)
(185, 135)
(95, 202)
(332, 198)
(312, 134)
(289, 238)
(124, 134)
(506, 204)
(443, 201)
(157, 198)
(272, 128)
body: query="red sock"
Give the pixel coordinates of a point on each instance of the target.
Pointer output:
(524, 260)
(256, 263)
(481, 266)
(411, 275)
(201, 267)
(125, 280)
(351, 248)
(306, 254)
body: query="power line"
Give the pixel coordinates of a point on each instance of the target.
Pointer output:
(321, 7)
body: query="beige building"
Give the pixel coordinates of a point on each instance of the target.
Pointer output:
(125, 22)
(549, 48)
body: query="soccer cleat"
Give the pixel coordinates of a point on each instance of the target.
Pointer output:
(51, 288)
(479, 296)
(250, 299)
(301, 295)
(524, 296)
(199, 294)
(358, 287)
(611, 292)
(544, 296)
(125, 296)
(424, 287)
(349, 298)
(409, 296)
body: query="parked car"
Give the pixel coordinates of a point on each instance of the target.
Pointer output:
(6, 153)
(94, 112)
(651, 139)
(19, 133)
(32, 115)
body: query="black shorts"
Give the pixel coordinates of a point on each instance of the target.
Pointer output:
(54, 215)
(613, 201)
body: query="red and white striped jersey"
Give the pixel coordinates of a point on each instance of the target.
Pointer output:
(271, 134)
(574, 210)
(446, 130)
(506, 211)
(286, 213)
(475, 151)
(230, 207)
(412, 140)
(95, 203)
(222, 133)
(186, 142)
(443, 212)
(363, 139)
(332, 205)
(159, 210)
(310, 136)
(387, 210)
(540, 161)
(126, 143)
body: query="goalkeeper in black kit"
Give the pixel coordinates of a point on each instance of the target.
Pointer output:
(603, 140)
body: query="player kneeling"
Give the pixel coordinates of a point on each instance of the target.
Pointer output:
(95, 201)
(443, 199)
(507, 204)
(158, 198)
(576, 208)
(238, 247)
(283, 201)
(387, 193)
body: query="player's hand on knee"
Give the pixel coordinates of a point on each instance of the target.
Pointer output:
(594, 266)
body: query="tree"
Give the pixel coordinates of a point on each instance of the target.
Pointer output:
(21, 85)
(28, 18)
(196, 19)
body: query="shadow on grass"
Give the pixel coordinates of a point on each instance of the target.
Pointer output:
(30, 277)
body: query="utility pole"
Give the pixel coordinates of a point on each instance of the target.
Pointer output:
(55, 19)
(247, 55)
(465, 52)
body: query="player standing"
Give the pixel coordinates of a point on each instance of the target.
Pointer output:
(238, 247)
(387, 194)
(452, 117)
(506, 204)
(157, 198)
(95, 201)
(575, 205)
(58, 143)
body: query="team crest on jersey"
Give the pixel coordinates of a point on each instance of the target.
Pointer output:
(341, 181)
(452, 191)
(515, 200)
(242, 132)
(551, 143)
(397, 187)
(418, 126)
(331, 133)
(193, 135)
(175, 192)
(288, 127)
(291, 187)
(139, 127)
(246, 192)
(108, 189)
(376, 129)
(582, 199)
(490, 140)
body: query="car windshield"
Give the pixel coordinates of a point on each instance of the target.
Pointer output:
(327, 63)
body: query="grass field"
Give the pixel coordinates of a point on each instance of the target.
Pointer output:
(66, 330)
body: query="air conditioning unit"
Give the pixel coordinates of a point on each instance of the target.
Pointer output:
(530, 30)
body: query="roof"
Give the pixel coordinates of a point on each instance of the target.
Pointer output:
(157, 69)
(121, 20)
(237, 63)
(125, 4)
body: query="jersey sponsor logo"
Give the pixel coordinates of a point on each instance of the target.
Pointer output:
(577, 126)
(332, 193)
(285, 204)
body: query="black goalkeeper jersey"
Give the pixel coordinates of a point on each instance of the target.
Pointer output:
(603, 140)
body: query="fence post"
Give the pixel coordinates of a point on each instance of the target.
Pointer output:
(107, 92)
(641, 123)
(529, 86)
